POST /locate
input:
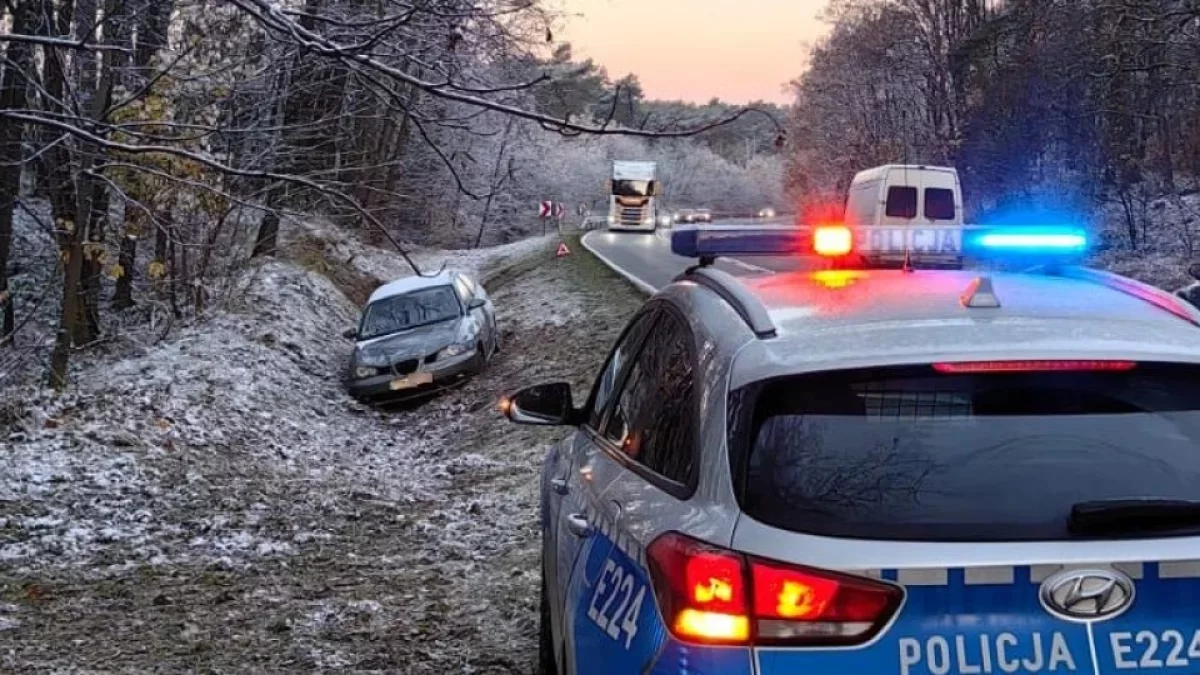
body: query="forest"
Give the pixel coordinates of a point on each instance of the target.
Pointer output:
(150, 148)
(1084, 108)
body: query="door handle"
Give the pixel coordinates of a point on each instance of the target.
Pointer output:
(559, 485)
(578, 524)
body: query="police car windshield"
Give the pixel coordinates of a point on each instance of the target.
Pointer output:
(912, 454)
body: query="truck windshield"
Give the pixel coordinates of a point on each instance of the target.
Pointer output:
(632, 188)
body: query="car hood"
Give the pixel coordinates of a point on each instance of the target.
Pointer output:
(409, 344)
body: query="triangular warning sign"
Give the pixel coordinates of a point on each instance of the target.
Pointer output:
(563, 250)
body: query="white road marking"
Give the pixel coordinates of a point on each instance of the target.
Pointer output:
(632, 278)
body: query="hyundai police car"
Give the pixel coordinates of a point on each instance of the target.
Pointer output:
(854, 471)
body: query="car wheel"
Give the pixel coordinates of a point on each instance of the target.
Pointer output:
(546, 663)
(480, 361)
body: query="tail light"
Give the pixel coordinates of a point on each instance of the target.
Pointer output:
(715, 596)
(832, 240)
(1033, 366)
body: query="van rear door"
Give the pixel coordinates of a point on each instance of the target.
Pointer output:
(921, 214)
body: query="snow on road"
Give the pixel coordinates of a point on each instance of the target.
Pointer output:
(219, 504)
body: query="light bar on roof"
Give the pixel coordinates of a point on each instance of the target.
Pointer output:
(709, 242)
(1035, 241)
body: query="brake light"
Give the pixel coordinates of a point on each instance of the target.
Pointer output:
(701, 590)
(832, 240)
(1033, 366)
(705, 596)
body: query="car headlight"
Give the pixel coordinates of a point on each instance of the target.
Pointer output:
(454, 350)
(363, 372)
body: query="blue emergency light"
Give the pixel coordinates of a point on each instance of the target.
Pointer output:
(999, 242)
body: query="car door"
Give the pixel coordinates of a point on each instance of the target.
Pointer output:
(469, 292)
(577, 475)
(650, 432)
(488, 312)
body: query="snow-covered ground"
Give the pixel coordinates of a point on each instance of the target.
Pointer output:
(1168, 231)
(217, 503)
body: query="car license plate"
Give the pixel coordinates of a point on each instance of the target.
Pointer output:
(918, 240)
(410, 381)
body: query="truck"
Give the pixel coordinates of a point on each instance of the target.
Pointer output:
(633, 196)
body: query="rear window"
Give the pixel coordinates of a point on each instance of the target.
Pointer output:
(901, 202)
(939, 204)
(912, 454)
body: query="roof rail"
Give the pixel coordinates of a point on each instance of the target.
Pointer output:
(1132, 287)
(745, 303)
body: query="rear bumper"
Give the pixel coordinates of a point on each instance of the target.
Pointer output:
(445, 373)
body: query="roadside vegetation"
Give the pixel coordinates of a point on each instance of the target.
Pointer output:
(219, 504)
(1052, 110)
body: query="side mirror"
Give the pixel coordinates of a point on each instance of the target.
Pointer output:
(476, 303)
(350, 333)
(547, 405)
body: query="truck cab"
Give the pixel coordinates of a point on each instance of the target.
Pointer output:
(633, 197)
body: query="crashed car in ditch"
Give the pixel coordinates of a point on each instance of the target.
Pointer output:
(420, 334)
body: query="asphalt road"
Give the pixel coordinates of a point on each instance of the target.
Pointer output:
(647, 261)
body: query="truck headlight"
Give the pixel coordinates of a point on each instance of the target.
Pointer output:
(363, 372)
(612, 219)
(648, 221)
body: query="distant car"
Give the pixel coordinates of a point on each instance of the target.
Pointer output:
(685, 216)
(420, 334)
(766, 213)
(693, 216)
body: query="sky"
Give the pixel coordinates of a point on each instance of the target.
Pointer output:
(736, 50)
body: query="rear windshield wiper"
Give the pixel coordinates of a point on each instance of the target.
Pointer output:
(1112, 516)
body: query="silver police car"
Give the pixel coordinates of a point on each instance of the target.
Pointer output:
(904, 472)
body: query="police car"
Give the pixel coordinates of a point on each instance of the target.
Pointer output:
(907, 471)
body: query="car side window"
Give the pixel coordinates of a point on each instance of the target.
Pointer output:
(654, 419)
(610, 376)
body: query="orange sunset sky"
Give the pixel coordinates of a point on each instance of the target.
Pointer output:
(737, 50)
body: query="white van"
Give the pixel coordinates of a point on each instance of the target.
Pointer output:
(897, 208)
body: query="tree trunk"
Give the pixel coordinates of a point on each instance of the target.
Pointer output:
(127, 259)
(60, 358)
(87, 326)
(13, 87)
(56, 164)
(266, 243)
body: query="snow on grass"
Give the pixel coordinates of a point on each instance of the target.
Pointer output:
(217, 499)
(128, 462)
(385, 264)
(1169, 235)
(544, 302)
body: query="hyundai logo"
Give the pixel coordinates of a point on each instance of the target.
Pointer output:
(1087, 595)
